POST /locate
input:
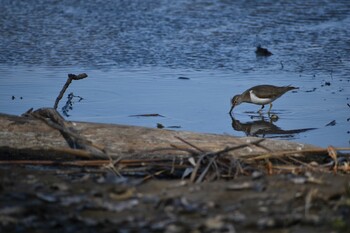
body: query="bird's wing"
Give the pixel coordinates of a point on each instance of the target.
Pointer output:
(264, 91)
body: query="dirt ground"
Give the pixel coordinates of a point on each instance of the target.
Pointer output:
(56, 199)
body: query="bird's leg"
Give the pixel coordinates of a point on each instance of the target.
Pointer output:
(260, 110)
(269, 109)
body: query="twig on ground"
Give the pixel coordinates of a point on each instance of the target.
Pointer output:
(333, 154)
(308, 200)
(190, 144)
(53, 119)
(212, 156)
(196, 168)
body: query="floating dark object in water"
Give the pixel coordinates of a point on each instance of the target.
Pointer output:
(161, 126)
(69, 104)
(147, 115)
(183, 78)
(260, 51)
(332, 123)
(71, 77)
(274, 117)
(327, 83)
(14, 97)
(313, 89)
(174, 127)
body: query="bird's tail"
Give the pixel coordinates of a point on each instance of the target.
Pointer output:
(289, 87)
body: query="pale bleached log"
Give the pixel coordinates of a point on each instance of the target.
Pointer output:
(24, 136)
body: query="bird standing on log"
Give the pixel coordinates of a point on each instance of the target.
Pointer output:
(260, 95)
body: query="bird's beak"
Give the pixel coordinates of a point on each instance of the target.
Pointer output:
(231, 109)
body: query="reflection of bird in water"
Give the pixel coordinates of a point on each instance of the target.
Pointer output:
(262, 128)
(261, 95)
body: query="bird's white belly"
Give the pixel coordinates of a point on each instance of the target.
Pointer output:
(257, 100)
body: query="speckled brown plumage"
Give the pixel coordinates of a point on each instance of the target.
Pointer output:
(261, 95)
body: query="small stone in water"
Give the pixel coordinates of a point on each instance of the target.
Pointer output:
(274, 117)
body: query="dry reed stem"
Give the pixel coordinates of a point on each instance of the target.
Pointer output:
(96, 163)
(153, 175)
(213, 156)
(190, 144)
(284, 153)
(333, 154)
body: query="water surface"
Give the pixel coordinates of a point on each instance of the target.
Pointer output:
(135, 51)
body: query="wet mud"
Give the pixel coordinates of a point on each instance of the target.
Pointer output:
(52, 199)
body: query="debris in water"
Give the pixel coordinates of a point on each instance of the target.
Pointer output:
(326, 84)
(69, 104)
(161, 126)
(260, 51)
(174, 127)
(313, 89)
(147, 115)
(71, 77)
(332, 123)
(274, 117)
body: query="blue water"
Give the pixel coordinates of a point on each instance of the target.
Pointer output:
(135, 51)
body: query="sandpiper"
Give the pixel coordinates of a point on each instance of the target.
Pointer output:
(261, 95)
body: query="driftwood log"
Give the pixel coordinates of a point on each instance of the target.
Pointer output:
(32, 138)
